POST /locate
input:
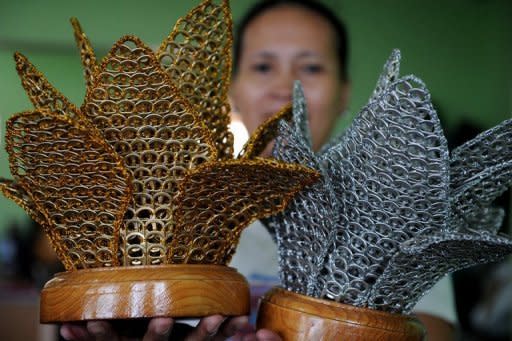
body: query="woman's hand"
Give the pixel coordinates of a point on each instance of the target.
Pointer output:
(214, 327)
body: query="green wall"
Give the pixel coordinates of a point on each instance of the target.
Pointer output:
(462, 49)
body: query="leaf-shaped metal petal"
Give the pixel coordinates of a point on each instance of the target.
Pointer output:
(419, 265)
(389, 75)
(87, 54)
(41, 93)
(390, 174)
(75, 180)
(264, 134)
(300, 114)
(197, 56)
(304, 231)
(290, 147)
(158, 135)
(490, 148)
(217, 200)
(481, 190)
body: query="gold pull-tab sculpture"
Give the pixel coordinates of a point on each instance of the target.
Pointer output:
(138, 189)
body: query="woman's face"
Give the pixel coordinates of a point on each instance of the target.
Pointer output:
(281, 45)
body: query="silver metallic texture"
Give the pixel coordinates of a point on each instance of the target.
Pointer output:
(394, 212)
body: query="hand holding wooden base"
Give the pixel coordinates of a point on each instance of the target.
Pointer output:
(298, 317)
(144, 291)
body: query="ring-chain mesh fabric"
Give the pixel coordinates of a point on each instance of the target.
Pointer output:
(393, 212)
(143, 172)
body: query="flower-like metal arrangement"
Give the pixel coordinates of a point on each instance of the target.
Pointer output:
(143, 172)
(393, 211)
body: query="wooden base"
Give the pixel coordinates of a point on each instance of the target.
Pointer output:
(298, 317)
(144, 291)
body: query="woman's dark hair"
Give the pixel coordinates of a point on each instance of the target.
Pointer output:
(340, 33)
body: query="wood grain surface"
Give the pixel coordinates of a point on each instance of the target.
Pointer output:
(298, 317)
(144, 291)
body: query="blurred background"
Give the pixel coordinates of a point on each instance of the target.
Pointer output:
(462, 49)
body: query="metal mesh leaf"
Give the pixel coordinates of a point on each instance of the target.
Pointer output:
(418, 266)
(87, 54)
(264, 134)
(157, 134)
(303, 234)
(217, 200)
(75, 181)
(197, 57)
(41, 93)
(488, 149)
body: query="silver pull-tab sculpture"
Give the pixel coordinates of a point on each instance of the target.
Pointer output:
(394, 211)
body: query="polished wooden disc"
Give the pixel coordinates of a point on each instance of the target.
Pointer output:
(144, 291)
(298, 317)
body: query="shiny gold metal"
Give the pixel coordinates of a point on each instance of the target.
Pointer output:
(143, 172)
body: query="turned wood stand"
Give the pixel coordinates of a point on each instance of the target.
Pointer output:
(298, 317)
(144, 291)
